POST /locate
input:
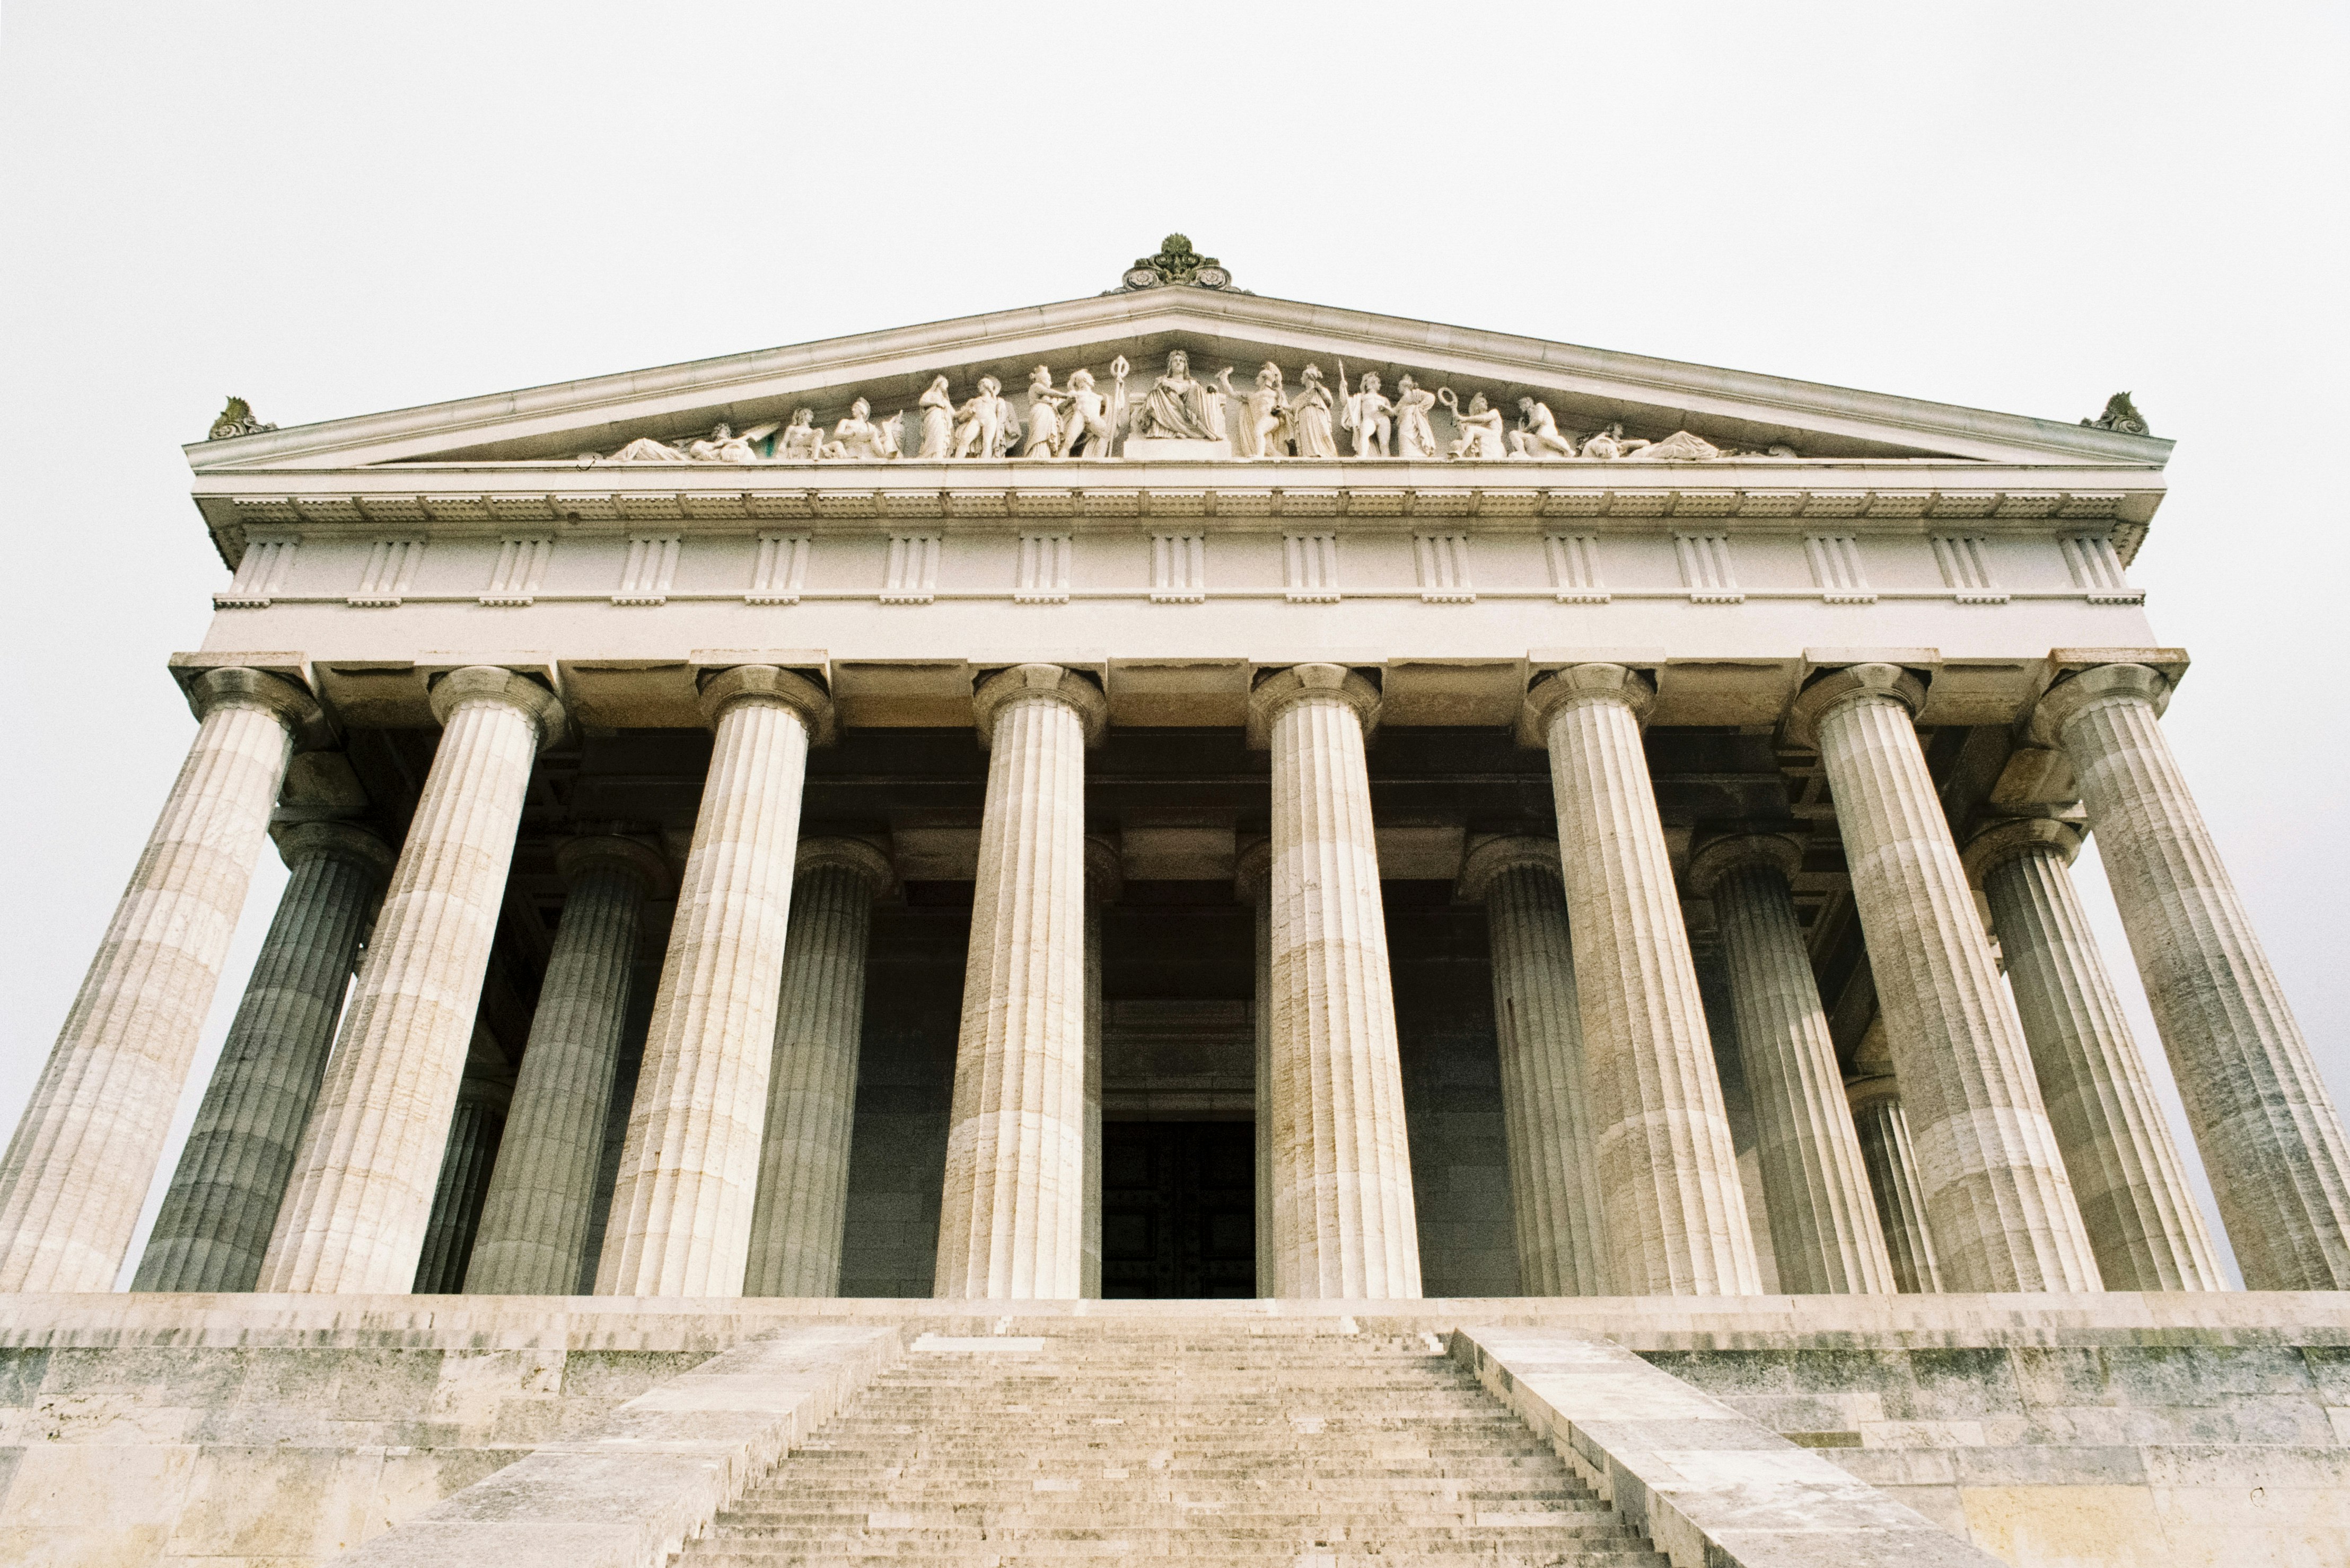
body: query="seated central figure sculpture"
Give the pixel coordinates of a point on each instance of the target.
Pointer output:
(1178, 407)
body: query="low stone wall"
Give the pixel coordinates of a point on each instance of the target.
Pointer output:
(244, 1431)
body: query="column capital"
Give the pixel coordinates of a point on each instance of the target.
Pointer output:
(1835, 688)
(1551, 694)
(767, 686)
(1052, 682)
(2003, 840)
(575, 857)
(1277, 690)
(493, 683)
(1105, 869)
(1717, 857)
(2075, 694)
(1253, 872)
(235, 686)
(1862, 1093)
(1489, 859)
(844, 854)
(331, 840)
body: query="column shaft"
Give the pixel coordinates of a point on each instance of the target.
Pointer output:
(799, 1222)
(1012, 1220)
(355, 1215)
(533, 1237)
(1253, 880)
(1996, 1194)
(2143, 1223)
(1675, 1215)
(474, 1130)
(1344, 1219)
(1103, 876)
(1825, 1238)
(2270, 1137)
(76, 1171)
(681, 1215)
(1893, 1183)
(213, 1227)
(1538, 1024)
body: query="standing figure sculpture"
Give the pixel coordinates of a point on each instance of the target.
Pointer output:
(1480, 426)
(1044, 406)
(938, 420)
(1265, 415)
(1414, 436)
(801, 441)
(1090, 421)
(984, 426)
(1537, 432)
(1367, 414)
(1310, 417)
(1178, 407)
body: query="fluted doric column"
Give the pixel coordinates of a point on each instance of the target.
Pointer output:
(1893, 1182)
(1538, 1023)
(1824, 1235)
(78, 1170)
(1105, 878)
(533, 1236)
(2271, 1140)
(1675, 1215)
(1343, 1218)
(355, 1215)
(1013, 1212)
(1996, 1194)
(475, 1129)
(802, 1212)
(2143, 1223)
(1252, 884)
(689, 1173)
(214, 1224)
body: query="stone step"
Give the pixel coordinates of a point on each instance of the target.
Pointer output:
(1530, 1554)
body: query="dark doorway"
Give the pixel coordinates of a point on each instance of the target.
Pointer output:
(1178, 1210)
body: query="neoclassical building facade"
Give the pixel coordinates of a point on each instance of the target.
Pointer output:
(1293, 804)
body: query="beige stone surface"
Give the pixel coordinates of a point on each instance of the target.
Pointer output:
(1343, 1217)
(213, 1227)
(2142, 1218)
(1825, 1234)
(1997, 1197)
(1013, 1223)
(77, 1169)
(1901, 1197)
(534, 1229)
(2270, 1134)
(803, 1201)
(1675, 1216)
(355, 1215)
(1554, 1180)
(689, 1173)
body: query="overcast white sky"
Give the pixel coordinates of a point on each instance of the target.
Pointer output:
(335, 209)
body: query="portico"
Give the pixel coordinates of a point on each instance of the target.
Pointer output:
(907, 868)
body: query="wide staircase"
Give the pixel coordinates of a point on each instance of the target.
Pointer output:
(1070, 1440)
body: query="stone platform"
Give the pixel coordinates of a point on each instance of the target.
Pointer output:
(2189, 1429)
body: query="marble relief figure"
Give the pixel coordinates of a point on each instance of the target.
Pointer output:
(1088, 420)
(1414, 436)
(1612, 442)
(858, 438)
(1178, 407)
(1264, 418)
(801, 441)
(1536, 434)
(1311, 419)
(984, 427)
(1044, 406)
(723, 445)
(1367, 414)
(937, 419)
(1480, 426)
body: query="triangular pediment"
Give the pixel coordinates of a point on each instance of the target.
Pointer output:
(1738, 415)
